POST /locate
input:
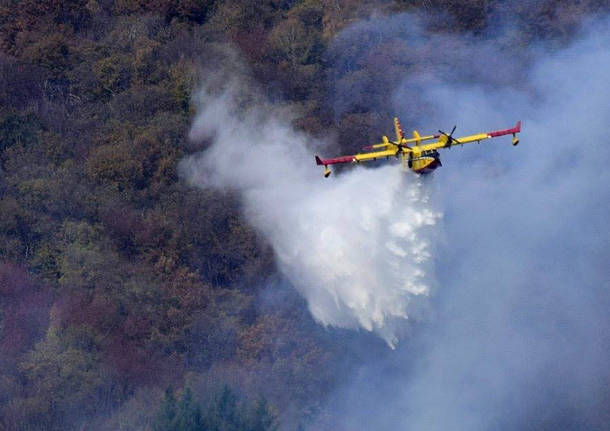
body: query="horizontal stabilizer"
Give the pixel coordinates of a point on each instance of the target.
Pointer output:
(514, 130)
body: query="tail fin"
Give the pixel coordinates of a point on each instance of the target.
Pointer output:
(398, 129)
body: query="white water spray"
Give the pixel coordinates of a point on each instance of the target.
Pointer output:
(356, 246)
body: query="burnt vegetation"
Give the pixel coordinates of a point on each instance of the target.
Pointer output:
(129, 300)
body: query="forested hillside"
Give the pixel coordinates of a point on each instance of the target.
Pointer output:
(129, 299)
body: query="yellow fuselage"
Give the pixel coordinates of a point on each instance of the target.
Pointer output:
(423, 162)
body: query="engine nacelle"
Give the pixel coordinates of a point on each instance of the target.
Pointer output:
(515, 139)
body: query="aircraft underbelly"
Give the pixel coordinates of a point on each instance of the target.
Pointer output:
(425, 165)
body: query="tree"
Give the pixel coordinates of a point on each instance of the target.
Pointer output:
(18, 129)
(189, 413)
(291, 42)
(24, 313)
(63, 380)
(166, 417)
(224, 414)
(184, 415)
(192, 10)
(113, 74)
(262, 417)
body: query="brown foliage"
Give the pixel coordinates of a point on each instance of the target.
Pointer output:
(24, 312)
(153, 280)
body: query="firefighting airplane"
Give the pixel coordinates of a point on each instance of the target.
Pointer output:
(421, 159)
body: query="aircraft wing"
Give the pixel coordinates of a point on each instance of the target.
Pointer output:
(444, 141)
(365, 157)
(360, 157)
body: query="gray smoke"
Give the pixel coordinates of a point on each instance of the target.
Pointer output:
(521, 335)
(357, 246)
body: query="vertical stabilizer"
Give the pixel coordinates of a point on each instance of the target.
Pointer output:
(398, 129)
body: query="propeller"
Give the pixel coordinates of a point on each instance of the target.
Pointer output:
(450, 138)
(399, 146)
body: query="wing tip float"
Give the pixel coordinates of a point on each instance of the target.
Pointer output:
(327, 170)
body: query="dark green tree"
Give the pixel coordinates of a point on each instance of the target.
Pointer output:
(18, 128)
(262, 417)
(166, 417)
(188, 416)
(224, 414)
(183, 415)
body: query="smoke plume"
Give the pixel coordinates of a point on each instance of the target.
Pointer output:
(521, 337)
(357, 246)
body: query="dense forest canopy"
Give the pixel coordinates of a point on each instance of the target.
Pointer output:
(129, 299)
